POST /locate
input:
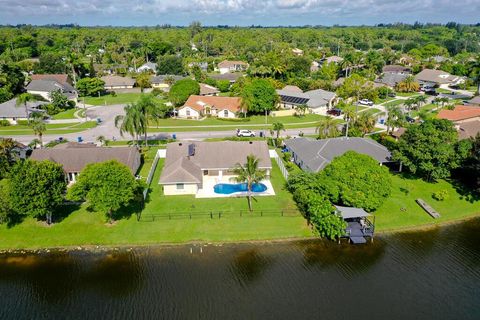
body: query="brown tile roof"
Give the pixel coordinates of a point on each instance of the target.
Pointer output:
(75, 158)
(182, 168)
(112, 81)
(469, 129)
(60, 78)
(198, 103)
(460, 113)
(229, 64)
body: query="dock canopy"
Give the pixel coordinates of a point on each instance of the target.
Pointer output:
(350, 213)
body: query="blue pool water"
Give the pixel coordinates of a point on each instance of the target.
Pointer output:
(227, 188)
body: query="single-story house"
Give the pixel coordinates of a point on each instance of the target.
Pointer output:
(44, 88)
(313, 155)
(297, 52)
(61, 78)
(396, 68)
(191, 167)
(232, 77)
(164, 81)
(318, 101)
(11, 112)
(101, 68)
(197, 107)
(208, 90)
(460, 114)
(332, 59)
(75, 156)
(391, 79)
(232, 66)
(147, 67)
(118, 82)
(468, 129)
(203, 65)
(431, 78)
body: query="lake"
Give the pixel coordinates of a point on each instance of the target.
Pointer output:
(423, 275)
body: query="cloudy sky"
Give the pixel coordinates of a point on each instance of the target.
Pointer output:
(237, 12)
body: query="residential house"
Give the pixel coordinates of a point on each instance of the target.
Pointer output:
(197, 107)
(314, 66)
(108, 69)
(465, 118)
(75, 156)
(297, 52)
(318, 101)
(232, 66)
(44, 84)
(231, 77)
(313, 155)
(391, 79)
(203, 65)
(197, 167)
(432, 78)
(332, 59)
(9, 110)
(148, 67)
(164, 82)
(118, 82)
(396, 68)
(208, 90)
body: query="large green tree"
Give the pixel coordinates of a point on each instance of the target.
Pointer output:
(250, 174)
(356, 180)
(37, 188)
(259, 96)
(181, 90)
(90, 86)
(170, 64)
(106, 186)
(431, 149)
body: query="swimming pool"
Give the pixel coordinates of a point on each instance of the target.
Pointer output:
(228, 188)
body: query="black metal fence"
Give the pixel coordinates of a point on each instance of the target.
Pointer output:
(217, 214)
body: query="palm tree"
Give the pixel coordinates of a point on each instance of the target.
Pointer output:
(277, 127)
(38, 126)
(395, 118)
(34, 143)
(366, 123)
(327, 128)
(249, 174)
(408, 85)
(103, 141)
(302, 109)
(420, 100)
(24, 98)
(349, 114)
(132, 122)
(150, 110)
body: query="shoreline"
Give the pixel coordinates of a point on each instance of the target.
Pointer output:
(109, 248)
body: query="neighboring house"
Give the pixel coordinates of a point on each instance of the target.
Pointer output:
(196, 167)
(197, 107)
(208, 90)
(332, 59)
(391, 79)
(465, 118)
(118, 82)
(431, 78)
(75, 156)
(11, 112)
(468, 129)
(232, 77)
(318, 101)
(395, 68)
(164, 81)
(314, 66)
(61, 78)
(202, 65)
(148, 67)
(297, 52)
(313, 155)
(102, 69)
(44, 85)
(232, 66)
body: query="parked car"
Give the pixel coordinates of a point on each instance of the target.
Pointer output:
(431, 92)
(392, 94)
(409, 119)
(245, 133)
(334, 112)
(366, 102)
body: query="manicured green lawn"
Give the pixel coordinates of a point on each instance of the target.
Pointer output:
(390, 216)
(427, 108)
(81, 227)
(120, 98)
(407, 94)
(56, 128)
(441, 90)
(394, 103)
(65, 114)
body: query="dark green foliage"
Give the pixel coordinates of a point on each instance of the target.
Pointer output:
(298, 66)
(324, 218)
(37, 188)
(430, 149)
(223, 85)
(11, 81)
(5, 201)
(170, 65)
(259, 96)
(7, 158)
(107, 186)
(90, 86)
(355, 180)
(182, 89)
(51, 62)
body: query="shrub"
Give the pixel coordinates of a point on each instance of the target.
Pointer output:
(440, 195)
(156, 92)
(289, 166)
(113, 93)
(22, 122)
(4, 123)
(287, 156)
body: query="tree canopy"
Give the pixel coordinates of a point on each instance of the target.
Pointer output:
(259, 96)
(181, 90)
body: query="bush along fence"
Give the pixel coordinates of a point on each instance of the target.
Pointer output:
(274, 154)
(217, 214)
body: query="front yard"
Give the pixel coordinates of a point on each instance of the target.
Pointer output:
(56, 128)
(119, 98)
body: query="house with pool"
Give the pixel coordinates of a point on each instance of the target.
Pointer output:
(205, 169)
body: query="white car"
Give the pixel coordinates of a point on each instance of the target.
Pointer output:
(245, 133)
(366, 102)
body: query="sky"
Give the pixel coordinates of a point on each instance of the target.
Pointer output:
(236, 12)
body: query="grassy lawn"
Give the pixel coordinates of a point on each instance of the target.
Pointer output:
(65, 114)
(427, 108)
(390, 216)
(407, 94)
(81, 227)
(394, 103)
(441, 90)
(55, 128)
(120, 98)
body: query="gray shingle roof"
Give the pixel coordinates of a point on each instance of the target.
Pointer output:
(314, 155)
(391, 79)
(163, 77)
(75, 158)
(232, 77)
(113, 81)
(316, 98)
(9, 109)
(182, 168)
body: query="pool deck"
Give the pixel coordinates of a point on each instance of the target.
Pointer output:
(207, 191)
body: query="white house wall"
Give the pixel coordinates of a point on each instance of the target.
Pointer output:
(171, 189)
(182, 113)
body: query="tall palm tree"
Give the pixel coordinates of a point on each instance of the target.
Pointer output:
(327, 128)
(250, 174)
(366, 123)
(420, 100)
(150, 110)
(24, 99)
(349, 114)
(277, 127)
(38, 126)
(131, 122)
(395, 118)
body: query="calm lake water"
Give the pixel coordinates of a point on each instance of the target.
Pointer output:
(427, 275)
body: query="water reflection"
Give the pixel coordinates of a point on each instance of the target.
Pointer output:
(249, 265)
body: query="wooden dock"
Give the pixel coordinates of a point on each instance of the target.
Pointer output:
(425, 206)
